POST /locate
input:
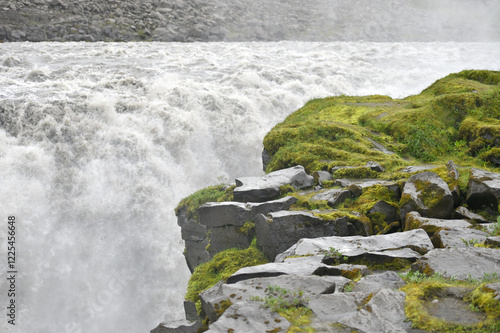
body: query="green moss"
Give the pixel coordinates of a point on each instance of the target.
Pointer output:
(420, 289)
(210, 194)
(356, 172)
(456, 117)
(247, 228)
(222, 266)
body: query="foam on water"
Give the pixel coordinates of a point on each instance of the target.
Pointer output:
(99, 142)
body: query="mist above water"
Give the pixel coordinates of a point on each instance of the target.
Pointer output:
(99, 142)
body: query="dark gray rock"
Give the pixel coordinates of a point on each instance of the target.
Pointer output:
(461, 263)
(493, 241)
(280, 230)
(455, 189)
(427, 194)
(265, 188)
(381, 207)
(339, 197)
(191, 311)
(218, 214)
(483, 189)
(180, 326)
(407, 245)
(196, 253)
(416, 168)
(376, 282)
(463, 213)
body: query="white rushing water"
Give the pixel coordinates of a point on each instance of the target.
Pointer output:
(99, 142)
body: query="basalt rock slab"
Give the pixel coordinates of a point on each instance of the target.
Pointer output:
(463, 213)
(458, 238)
(410, 245)
(461, 263)
(415, 221)
(266, 188)
(280, 230)
(362, 311)
(483, 189)
(427, 194)
(376, 282)
(246, 291)
(306, 266)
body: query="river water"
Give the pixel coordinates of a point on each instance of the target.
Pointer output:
(100, 141)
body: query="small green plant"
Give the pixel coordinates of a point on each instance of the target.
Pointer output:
(336, 255)
(280, 299)
(470, 242)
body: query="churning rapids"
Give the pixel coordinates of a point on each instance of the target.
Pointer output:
(99, 142)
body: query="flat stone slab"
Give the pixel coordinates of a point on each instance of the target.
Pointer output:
(376, 282)
(457, 238)
(352, 246)
(431, 225)
(265, 188)
(460, 263)
(362, 311)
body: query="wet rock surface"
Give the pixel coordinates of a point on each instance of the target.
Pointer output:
(215, 20)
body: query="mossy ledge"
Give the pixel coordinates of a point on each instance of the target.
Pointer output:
(456, 118)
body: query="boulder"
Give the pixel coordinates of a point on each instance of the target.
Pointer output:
(322, 176)
(461, 263)
(427, 194)
(265, 188)
(282, 229)
(389, 212)
(408, 245)
(376, 282)
(483, 189)
(335, 197)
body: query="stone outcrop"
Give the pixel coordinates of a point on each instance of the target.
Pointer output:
(341, 274)
(221, 226)
(427, 194)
